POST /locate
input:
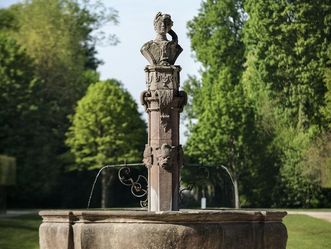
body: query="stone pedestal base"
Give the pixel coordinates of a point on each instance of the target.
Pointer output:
(221, 229)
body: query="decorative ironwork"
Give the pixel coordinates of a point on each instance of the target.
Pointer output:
(137, 186)
(197, 176)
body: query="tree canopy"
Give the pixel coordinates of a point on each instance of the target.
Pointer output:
(286, 48)
(106, 129)
(48, 59)
(224, 117)
(261, 105)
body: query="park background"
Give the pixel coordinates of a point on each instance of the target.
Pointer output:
(259, 83)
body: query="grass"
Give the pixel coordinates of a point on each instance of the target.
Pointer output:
(19, 232)
(304, 232)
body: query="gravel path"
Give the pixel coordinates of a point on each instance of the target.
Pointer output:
(16, 213)
(320, 215)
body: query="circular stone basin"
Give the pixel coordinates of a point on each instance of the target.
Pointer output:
(185, 229)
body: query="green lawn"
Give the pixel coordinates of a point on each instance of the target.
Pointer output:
(19, 232)
(304, 232)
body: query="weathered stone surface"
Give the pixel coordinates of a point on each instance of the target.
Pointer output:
(58, 225)
(163, 154)
(161, 51)
(223, 229)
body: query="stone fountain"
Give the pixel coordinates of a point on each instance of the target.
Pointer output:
(163, 226)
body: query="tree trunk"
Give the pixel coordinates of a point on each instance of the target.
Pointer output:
(236, 192)
(106, 179)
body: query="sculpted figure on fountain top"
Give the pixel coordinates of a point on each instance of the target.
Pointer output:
(161, 51)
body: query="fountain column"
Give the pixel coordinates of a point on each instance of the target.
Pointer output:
(163, 101)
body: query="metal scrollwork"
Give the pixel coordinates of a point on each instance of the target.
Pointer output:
(144, 203)
(138, 187)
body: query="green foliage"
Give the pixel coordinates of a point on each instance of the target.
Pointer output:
(57, 35)
(106, 127)
(317, 161)
(212, 40)
(47, 61)
(327, 108)
(17, 83)
(223, 131)
(24, 134)
(290, 41)
(286, 44)
(8, 22)
(299, 185)
(263, 98)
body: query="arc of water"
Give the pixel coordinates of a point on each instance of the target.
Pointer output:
(207, 167)
(105, 167)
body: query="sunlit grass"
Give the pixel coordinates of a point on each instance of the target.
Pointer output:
(305, 232)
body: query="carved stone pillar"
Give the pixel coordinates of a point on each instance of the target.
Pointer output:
(163, 102)
(163, 154)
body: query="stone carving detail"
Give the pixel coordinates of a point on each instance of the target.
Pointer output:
(166, 156)
(165, 102)
(143, 96)
(148, 156)
(164, 78)
(161, 51)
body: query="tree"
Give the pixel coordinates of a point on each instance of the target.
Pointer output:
(262, 97)
(47, 66)
(225, 121)
(57, 34)
(286, 50)
(8, 22)
(17, 83)
(106, 128)
(19, 126)
(327, 78)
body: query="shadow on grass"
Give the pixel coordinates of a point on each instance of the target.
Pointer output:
(19, 232)
(7, 225)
